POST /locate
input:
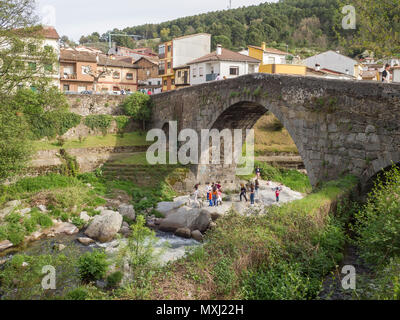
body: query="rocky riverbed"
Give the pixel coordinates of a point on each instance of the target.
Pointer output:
(183, 223)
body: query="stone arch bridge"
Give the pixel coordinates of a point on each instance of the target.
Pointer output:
(339, 127)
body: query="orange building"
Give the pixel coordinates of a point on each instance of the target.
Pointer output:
(78, 71)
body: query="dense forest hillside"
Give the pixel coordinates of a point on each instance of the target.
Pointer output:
(296, 23)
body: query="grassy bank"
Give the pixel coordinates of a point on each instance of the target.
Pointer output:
(109, 140)
(291, 178)
(271, 137)
(377, 237)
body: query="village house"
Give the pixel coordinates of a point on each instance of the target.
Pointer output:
(120, 75)
(335, 61)
(274, 60)
(177, 53)
(48, 40)
(78, 70)
(223, 62)
(182, 76)
(148, 77)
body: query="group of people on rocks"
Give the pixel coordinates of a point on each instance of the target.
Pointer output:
(214, 191)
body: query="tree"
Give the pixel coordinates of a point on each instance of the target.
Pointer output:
(15, 149)
(24, 61)
(164, 34)
(138, 106)
(378, 27)
(98, 73)
(222, 40)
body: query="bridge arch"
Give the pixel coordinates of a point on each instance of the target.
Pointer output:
(339, 127)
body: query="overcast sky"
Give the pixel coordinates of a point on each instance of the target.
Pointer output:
(75, 18)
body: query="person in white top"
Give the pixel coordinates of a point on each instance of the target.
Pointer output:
(218, 77)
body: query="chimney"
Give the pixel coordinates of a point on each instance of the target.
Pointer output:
(317, 67)
(219, 50)
(263, 46)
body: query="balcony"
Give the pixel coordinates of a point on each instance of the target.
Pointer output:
(211, 76)
(69, 76)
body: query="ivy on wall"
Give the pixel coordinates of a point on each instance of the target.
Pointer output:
(101, 122)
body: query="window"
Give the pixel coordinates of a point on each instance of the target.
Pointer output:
(129, 76)
(234, 71)
(173, 81)
(161, 67)
(179, 74)
(85, 70)
(271, 60)
(161, 49)
(201, 71)
(149, 83)
(194, 72)
(165, 82)
(66, 87)
(169, 48)
(169, 65)
(116, 75)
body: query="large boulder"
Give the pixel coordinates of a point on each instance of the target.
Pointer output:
(63, 228)
(184, 217)
(202, 222)
(4, 245)
(183, 233)
(127, 210)
(13, 204)
(105, 226)
(196, 235)
(167, 207)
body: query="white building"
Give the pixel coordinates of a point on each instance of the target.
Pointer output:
(223, 63)
(335, 61)
(187, 48)
(51, 40)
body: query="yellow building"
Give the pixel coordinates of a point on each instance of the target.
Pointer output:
(274, 61)
(166, 70)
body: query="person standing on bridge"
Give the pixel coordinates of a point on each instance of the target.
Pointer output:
(386, 73)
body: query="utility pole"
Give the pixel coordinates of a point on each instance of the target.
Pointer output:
(230, 4)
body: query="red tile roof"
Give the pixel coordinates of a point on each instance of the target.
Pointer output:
(226, 55)
(49, 33)
(271, 50)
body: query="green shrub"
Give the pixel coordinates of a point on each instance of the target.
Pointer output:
(114, 279)
(100, 121)
(79, 293)
(284, 281)
(378, 223)
(138, 106)
(224, 276)
(78, 222)
(92, 266)
(41, 219)
(122, 122)
(15, 233)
